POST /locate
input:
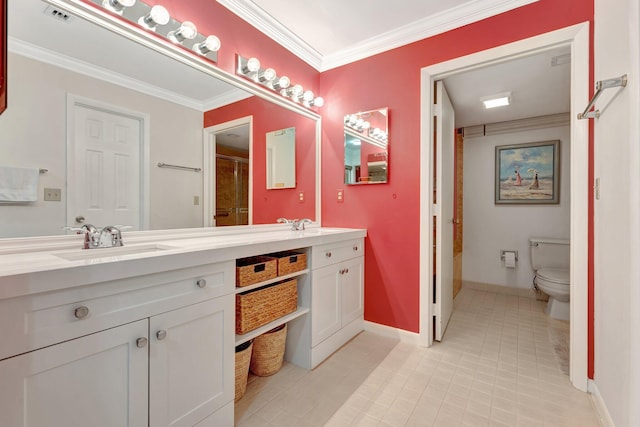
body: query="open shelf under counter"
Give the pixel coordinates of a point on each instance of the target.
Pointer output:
(274, 324)
(270, 281)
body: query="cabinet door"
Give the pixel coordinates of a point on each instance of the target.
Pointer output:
(191, 365)
(96, 380)
(352, 277)
(325, 303)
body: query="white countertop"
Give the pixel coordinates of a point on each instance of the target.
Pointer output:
(44, 264)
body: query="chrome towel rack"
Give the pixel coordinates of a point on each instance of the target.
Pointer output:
(600, 86)
(167, 165)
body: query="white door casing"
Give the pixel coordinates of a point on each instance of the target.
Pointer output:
(577, 37)
(106, 172)
(445, 147)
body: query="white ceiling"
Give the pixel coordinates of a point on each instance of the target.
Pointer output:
(320, 31)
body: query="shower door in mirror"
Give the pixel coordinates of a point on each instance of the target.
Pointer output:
(232, 191)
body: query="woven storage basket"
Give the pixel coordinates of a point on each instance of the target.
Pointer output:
(261, 306)
(268, 352)
(255, 269)
(290, 261)
(243, 359)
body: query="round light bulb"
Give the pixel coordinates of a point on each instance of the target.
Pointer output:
(359, 123)
(188, 30)
(210, 44)
(352, 120)
(307, 96)
(366, 125)
(253, 65)
(318, 102)
(296, 91)
(282, 83)
(269, 75)
(117, 5)
(158, 15)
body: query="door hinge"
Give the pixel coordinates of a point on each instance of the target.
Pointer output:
(435, 209)
(436, 110)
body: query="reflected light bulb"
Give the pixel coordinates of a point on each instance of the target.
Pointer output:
(296, 91)
(268, 75)
(318, 102)
(158, 15)
(307, 96)
(366, 125)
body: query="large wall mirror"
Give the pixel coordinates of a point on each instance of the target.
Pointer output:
(75, 85)
(366, 155)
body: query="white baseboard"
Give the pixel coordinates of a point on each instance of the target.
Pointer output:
(388, 331)
(601, 407)
(499, 289)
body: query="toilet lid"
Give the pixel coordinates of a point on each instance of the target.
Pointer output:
(558, 275)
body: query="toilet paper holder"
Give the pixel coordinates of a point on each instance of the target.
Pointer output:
(504, 251)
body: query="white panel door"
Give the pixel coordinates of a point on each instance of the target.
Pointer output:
(191, 362)
(352, 290)
(99, 380)
(325, 303)
(445, 148)
(104, 185)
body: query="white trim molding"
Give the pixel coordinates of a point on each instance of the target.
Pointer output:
(467, 13)
(388, 331)
(601, 408)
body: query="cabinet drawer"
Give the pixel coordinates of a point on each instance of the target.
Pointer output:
(35, 321)
(333, 253)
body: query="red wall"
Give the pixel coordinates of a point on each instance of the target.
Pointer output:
(269, 205)
(390, 212)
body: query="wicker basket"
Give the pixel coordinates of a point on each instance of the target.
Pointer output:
(268, 352)
(255, 269)
(243, 359)
(261, 306)
(290, 261)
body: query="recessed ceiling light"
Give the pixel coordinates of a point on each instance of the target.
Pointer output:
(499, 100)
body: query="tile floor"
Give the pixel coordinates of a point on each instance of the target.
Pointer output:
(496, 367)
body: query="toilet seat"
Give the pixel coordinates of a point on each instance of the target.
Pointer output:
(558, 276)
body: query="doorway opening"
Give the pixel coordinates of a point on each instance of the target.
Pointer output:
(228, 187)
(576, 38)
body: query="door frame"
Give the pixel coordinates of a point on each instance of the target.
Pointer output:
(577, 37)
(145, 166)
(209, 166)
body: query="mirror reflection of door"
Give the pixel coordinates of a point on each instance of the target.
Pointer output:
(232, 177)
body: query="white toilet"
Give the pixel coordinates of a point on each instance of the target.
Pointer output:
(550, 260)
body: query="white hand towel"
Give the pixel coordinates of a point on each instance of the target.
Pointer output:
(18, 184)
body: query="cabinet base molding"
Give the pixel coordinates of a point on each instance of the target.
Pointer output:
(329, 346)
(388, 331)
(223, 417)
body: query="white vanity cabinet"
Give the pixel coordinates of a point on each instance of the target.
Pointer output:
(152, 350)
(337, 296)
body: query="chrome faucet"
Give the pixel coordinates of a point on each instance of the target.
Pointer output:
(284, 221)
(297, 223)
(109, 237)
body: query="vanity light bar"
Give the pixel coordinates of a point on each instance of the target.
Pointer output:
(251, 69)
(158, 20)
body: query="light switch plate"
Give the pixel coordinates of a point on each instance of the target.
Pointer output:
(340, 195)
(196, 200)
(52, 194)
(301, 196)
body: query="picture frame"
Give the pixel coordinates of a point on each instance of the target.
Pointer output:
(528, 173)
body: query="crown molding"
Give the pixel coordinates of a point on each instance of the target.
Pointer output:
(265, 23)
(229, 97)
(467, 13)
(38, 53)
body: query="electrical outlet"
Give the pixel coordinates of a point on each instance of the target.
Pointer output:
(301, 196)
(52, 194)
(196, 200)
(340, 195)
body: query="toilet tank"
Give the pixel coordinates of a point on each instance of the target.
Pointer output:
(549, 252)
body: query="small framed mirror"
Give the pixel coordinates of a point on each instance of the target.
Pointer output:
(366, 141)
(281, 159)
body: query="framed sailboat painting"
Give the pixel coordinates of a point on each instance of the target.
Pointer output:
(528, 173)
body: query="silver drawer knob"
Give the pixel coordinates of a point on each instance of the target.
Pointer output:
(161, 334)
(81, 312)
(141, 342)
(328, 254)
(201, 283)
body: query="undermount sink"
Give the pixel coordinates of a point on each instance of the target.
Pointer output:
(91, 254)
